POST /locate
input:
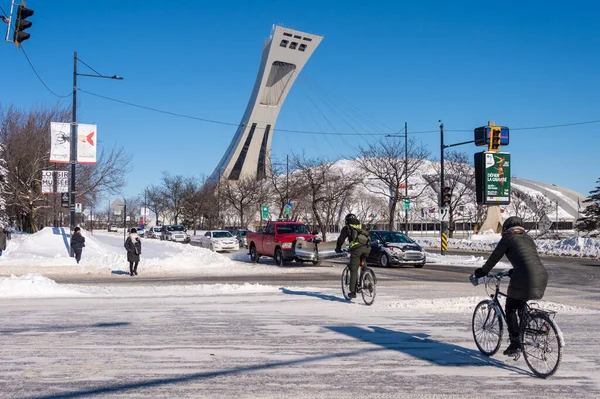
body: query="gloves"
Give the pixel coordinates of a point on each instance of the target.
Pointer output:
(338, 251)
(510, 272)
(479, 273)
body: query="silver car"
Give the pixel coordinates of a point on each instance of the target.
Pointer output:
(174, 232)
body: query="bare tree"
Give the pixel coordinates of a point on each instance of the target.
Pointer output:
(244, 196)
(284, 186)
(325, 187)
(384, 162)
(156, 201)
(173, 189)
(107, 176)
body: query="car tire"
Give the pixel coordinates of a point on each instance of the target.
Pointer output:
(384, 260)
(254, 256)
(212, 248)
(278, 257)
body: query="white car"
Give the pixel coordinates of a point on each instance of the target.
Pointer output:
(219, 240)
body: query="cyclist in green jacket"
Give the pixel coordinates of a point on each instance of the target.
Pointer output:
(359, 245)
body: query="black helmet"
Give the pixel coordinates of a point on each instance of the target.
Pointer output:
(351, 219)
(512, 221)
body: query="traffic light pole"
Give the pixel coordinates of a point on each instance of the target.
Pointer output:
(405, 177)
(444, 227)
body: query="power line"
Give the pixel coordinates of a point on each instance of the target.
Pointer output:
(222, 122)
(39, 77)
(320, 133)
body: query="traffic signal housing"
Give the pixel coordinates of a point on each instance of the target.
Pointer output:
(446, 196)
(495, 137)
(22, 23)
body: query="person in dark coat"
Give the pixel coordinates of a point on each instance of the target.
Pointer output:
(133, 245)
(359, 246)
(2, 241)
(77, 243)
(528, 277)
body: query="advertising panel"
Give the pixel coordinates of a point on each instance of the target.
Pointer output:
(86, 143)
(47, 181)
(492, 178)
(60, 149)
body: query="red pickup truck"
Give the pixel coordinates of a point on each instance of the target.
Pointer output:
(277, 241)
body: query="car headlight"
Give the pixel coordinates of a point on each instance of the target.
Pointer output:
(394, 249)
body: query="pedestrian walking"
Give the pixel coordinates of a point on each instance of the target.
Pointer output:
(133, 245)
(77, 243)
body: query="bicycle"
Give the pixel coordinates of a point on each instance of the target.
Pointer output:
(541, 340)
(367, 283)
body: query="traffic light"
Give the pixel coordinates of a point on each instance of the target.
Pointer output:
(446, 196)
(22, 14)
(495, 137)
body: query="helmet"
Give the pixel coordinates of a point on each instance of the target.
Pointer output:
(351, 219)
(512, 221)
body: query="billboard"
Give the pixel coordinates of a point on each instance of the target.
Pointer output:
(492, 178)
(62, 181)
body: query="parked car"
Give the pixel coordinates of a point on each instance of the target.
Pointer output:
(219, 240)
(112, 228)
(392, 248)
(240, 234)
(154, 232)
(174, 232)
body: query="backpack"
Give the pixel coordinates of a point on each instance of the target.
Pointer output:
(358, 235)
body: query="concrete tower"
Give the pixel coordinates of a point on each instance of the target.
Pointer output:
(283, 57)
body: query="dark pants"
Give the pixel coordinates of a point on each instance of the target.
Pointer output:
(355, 254)
(512, 322)
(77, 253)
(133, 267)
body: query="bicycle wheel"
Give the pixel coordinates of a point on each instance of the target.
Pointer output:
(487, 327)
(369, 283)
(542, 345)
(346, 282)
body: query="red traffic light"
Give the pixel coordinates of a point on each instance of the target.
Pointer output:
(446, 196)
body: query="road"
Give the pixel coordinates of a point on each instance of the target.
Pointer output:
(564, 273)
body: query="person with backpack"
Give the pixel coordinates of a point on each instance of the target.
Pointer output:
(359, 246)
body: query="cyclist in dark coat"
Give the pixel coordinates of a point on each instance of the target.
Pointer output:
(528, 278)
(77, 243)
(359, 245)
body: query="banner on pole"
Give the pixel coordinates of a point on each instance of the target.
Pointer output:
(86, 143)
(47, 181)
(62, 181)
(60, 149)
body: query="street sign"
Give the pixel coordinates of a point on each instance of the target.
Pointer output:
(445, 214)
(265, 211)
(64, 200)
(492, 178)
(287, 210)
(78, 207)
(406, 203)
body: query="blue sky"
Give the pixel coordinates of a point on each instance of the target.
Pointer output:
(380, 64)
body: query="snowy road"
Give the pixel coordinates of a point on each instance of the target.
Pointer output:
(275, 342)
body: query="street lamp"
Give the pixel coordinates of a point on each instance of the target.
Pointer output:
(405, 173)
(72, 189)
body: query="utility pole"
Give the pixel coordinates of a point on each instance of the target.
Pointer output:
(73, 159)
(406, 177)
